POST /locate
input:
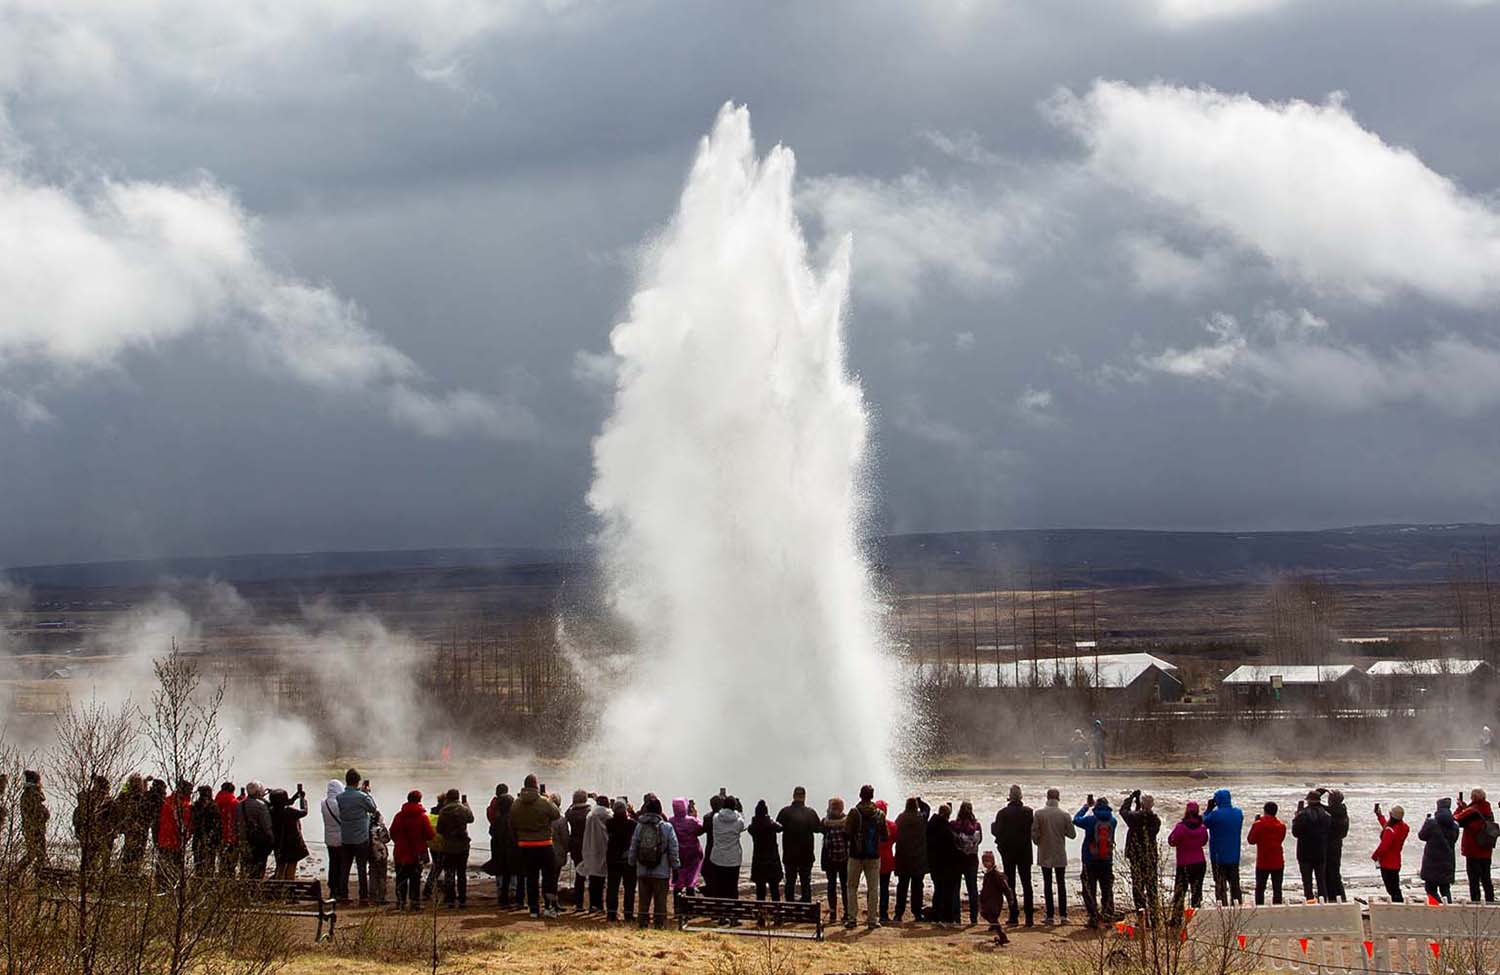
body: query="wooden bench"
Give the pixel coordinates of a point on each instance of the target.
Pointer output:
(1462, 756)
(765, 915)
(285, 898)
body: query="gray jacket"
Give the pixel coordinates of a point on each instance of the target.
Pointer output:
(596, 842)
(728, 824)
(355, 809)
(1051, 828)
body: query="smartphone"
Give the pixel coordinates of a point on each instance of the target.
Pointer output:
(299, 787)
(464, 799)
(723, 792)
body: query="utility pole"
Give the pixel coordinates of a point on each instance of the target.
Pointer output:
(974, 627)
(1035, 637)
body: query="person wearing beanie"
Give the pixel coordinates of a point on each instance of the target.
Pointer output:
(1387, 855)
(1267, 834)
(1097, 821)
(1338, 831)
(1311, 827)
(765, 857)
(1012, 832)
(1187, 839)
(411, 830)
(1439, 834)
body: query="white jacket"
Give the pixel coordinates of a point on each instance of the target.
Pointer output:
(596, 842)
(330, 807)
(727, 825)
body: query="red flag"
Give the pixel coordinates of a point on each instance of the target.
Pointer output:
(1188, 912)
(1241, 938)
(1130, 930)
(1436, 948)
(1303, 943)
(1369, 949)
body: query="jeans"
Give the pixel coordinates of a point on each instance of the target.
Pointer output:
(773, 887)
(798, 874)
(885, 898)
(1227, 880)
(838, 881)
(869, 872)
(596, 894)
(541, 880)
(1051, 875)
(357, 855)
(913, 883)
(1478, 870)
(620, 876)
(409, 885)
(1261, 876)
(1189, 878)
(970, 877)
(1441, 892)
(1314, 874)
(1099, 889)
(1392, 879)
(455, 878)
(653, 900)
(1018, 875)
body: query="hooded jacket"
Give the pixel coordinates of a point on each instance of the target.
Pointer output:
(765, 858)
(453, 826)
(207, 829)
(1145, 826)
(1098, 827)
(254, 825)
(578, 817)
(175, 823)
(942, 847)
(1268, 835)
(411, 831)
(329, 807)
(621, 828)
(1472, 818)
(531, 818)
(1051, 828)
(727, 826)
(286, 828)
(911, 840)
(228, 806)
(994, 894)
(1393, 833)
(672, 861)
(1225, 823)
(689, 847)
(1439, 833)
(595, 862)
(505, 856)
(1189, 837)
(1012, 832)
(562, 840)
(1312, 826)
(888, 844)
(867, 829)
(799, 825)
(835, 838)
(356, 809)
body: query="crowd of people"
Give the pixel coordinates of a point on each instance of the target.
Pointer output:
(626, 859)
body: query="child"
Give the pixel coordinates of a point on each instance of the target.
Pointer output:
(380, 858)
(995, 895)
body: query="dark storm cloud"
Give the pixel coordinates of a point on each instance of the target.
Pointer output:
(1046, 334)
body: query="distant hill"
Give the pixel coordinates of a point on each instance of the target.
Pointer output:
(931, 561)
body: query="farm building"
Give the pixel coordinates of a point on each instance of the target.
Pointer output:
(1294, 686)
(1137, 678)
(1411, 683)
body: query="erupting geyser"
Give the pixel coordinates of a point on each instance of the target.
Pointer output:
(729, 483)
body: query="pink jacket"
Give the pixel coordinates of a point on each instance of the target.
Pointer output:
(1188, 838)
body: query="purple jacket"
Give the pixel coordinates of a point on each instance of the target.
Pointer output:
(688, 847)
(1188, 838)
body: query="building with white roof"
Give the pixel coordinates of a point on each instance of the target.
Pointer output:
(1293, 685)
(1407, 683)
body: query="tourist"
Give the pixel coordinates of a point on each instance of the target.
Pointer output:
(286, 832)
(866, 829)
(577, 817)
(726, 854)
(1012, 832)
(1387, 855)
(562, 841)
(1338, 831)
(1311, 827)
(1476, 818)
(993, 897)
(1487, 747)
(208, 832)
(968, 834)
(380, 861)
(1051, 829)
(173, 834)
(1141, 853)
(531, 820)
(256, 837)
(411, 831)
(689, 847)
(505, 856)
(595, 863)
(1439, 834)
(34, 817)
(93, 826)
(765, 857)
(1097, 821)
(1096, 734)
(799, 826)
(705, 830)
(1268, 836)
(1187, 839)
(453, 821)
(654, 855)
(887, 862)
(356, 808)
(228, 805)
(155, 802)
(944, 863)
(1225, 823)
(130, 808)
(619, 873)
(1078, 750)
(338, 874)
(911, 856)
(836, 857)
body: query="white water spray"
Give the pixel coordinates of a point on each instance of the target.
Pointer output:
(729, 484)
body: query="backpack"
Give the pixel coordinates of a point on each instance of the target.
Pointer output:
(968, 843)
(649, 848)
(1100, 845)
(1485, 837)
(866, 845)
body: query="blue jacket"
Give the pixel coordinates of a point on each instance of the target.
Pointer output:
(670, 862)
(1092, 823)
(1225, 822)
(355, 809)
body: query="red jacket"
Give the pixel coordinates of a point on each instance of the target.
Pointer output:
(228, 804)
(1392, 838)
(1472, 818)
(1267, 834)
(167, 836)
(411, 831)
(887, 845)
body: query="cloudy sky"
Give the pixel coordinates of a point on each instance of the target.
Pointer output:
(313, 274)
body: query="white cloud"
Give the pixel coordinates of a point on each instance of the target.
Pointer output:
(965, 146)
(964, 341)
(1325, 201)
(907, 229)
(1158, 268)
(93, 270)
(1292, 357)
(1034, 406)
(1185, 13)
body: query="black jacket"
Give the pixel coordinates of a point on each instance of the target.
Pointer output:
(799, 825)
(1338, 815)
(617, 851)
(505, 855)
(1145, 827)
(911, 842)
(577, 816)
(1312, 828)
(943, 858)
(1012, 832)
(286, 828)
(765, 862)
